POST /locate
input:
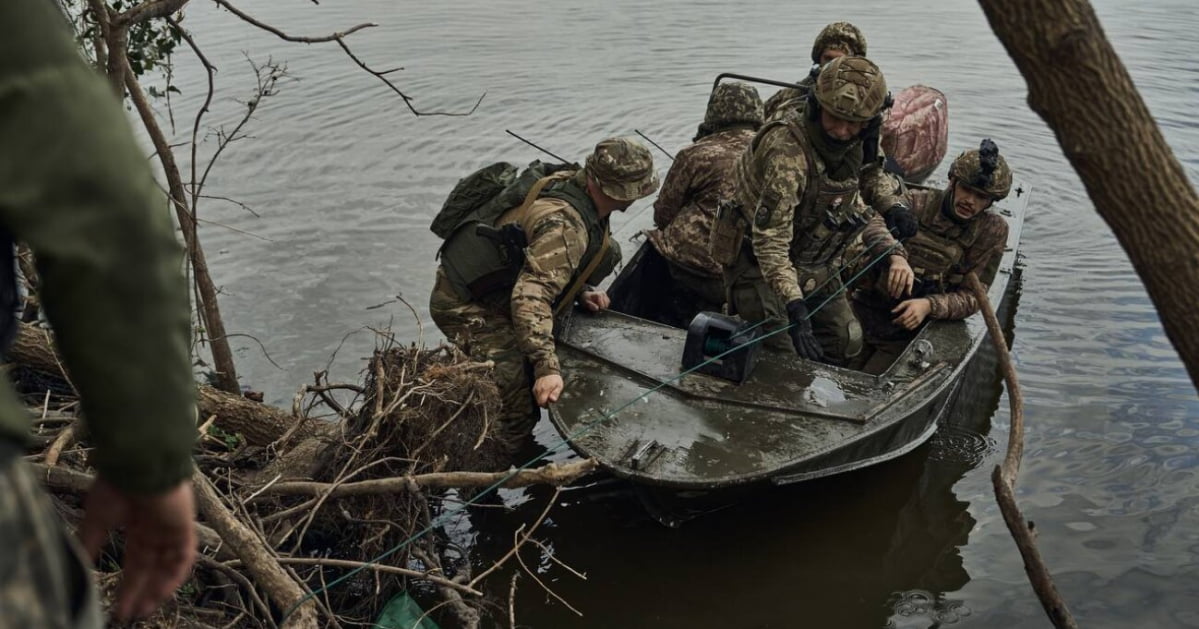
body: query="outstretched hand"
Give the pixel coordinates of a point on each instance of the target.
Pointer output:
(548, 389)
(160, 541)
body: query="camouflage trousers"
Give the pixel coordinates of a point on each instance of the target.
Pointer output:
(43, 579)
(833, 321)
(485, 332)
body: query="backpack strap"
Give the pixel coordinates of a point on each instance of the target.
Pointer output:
(528, 217)
(581, 281)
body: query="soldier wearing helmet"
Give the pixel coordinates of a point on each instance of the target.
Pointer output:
(797, 207)
(504, 312)
(702, 175)
(879, 188)
(838, 39)
(958, 234)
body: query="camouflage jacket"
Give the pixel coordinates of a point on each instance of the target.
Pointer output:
(983, 244)
(770, 183)
(76, 187)
(701, 176)
(787, 100)
(880, 189)
(557, 244)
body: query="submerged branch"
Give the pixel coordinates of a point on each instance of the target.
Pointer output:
(1004, 476)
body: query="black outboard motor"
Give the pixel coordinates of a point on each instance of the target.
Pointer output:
(721, 346)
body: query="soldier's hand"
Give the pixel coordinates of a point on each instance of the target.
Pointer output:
(802, 338)
(902, 223)
(911, 313)
(547, 389)
(900, 278)
(160, 541)
(595, 300)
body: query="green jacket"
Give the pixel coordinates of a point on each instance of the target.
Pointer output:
(76, 187)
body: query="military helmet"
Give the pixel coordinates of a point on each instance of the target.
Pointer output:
(851, 88)
(841, 36)
(983, 169)
(623, 168)
(733, 103)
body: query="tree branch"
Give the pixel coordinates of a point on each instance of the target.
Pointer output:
(551, 474)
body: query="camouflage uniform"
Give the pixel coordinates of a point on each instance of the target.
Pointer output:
(799, 195)
(75, 186)
(699, 178)
(514, 326)
(841, 36)
(945, 249)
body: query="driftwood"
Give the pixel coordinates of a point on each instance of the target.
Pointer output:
(1004, 476)
(293, 534)
(257, 558)
(552, 474)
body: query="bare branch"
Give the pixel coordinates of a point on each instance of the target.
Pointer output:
(284, 36)
(407, 99)
(146, 11)
(551, 474)
(339, 37)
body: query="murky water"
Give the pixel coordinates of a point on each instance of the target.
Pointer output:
(344, 182)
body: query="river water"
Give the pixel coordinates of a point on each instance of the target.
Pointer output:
(344, 182)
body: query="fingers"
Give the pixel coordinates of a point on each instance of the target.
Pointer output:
(160, 546)
(547, 390)
(102, 512)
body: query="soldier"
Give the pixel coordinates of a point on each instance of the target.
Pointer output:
(702, 175)
(958, 234)
(501, 309)
(798, 206)
(75, 186)
(838, 39)
(879, 188)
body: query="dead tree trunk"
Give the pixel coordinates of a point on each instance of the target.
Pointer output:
(1078, 84)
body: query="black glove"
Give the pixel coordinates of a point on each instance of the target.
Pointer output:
(801, 331)
(901, 221)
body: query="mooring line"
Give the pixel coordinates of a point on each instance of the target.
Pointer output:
(587, 427)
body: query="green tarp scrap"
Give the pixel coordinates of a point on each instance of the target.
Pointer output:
(404, 613)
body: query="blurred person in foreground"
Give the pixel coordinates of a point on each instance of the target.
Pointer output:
(76, 188)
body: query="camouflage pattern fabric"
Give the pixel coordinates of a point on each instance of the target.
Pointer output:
(833, 323)
(485, 332)
(982, 255)
(733, 103)
(769, 180)
(517, 330)
(624, 169)
(43, 581)
(995, 179)
(788, 101)
(841, 36)
(700, 177)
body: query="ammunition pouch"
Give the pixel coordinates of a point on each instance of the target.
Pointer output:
(728, 233)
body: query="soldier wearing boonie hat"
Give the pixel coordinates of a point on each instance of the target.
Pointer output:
(623, 168)
(510, 320)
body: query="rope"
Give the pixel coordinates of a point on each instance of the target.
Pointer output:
(587, 427)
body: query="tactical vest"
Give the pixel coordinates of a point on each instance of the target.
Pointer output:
(479, 267)
(938, 248)
(829, 215)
